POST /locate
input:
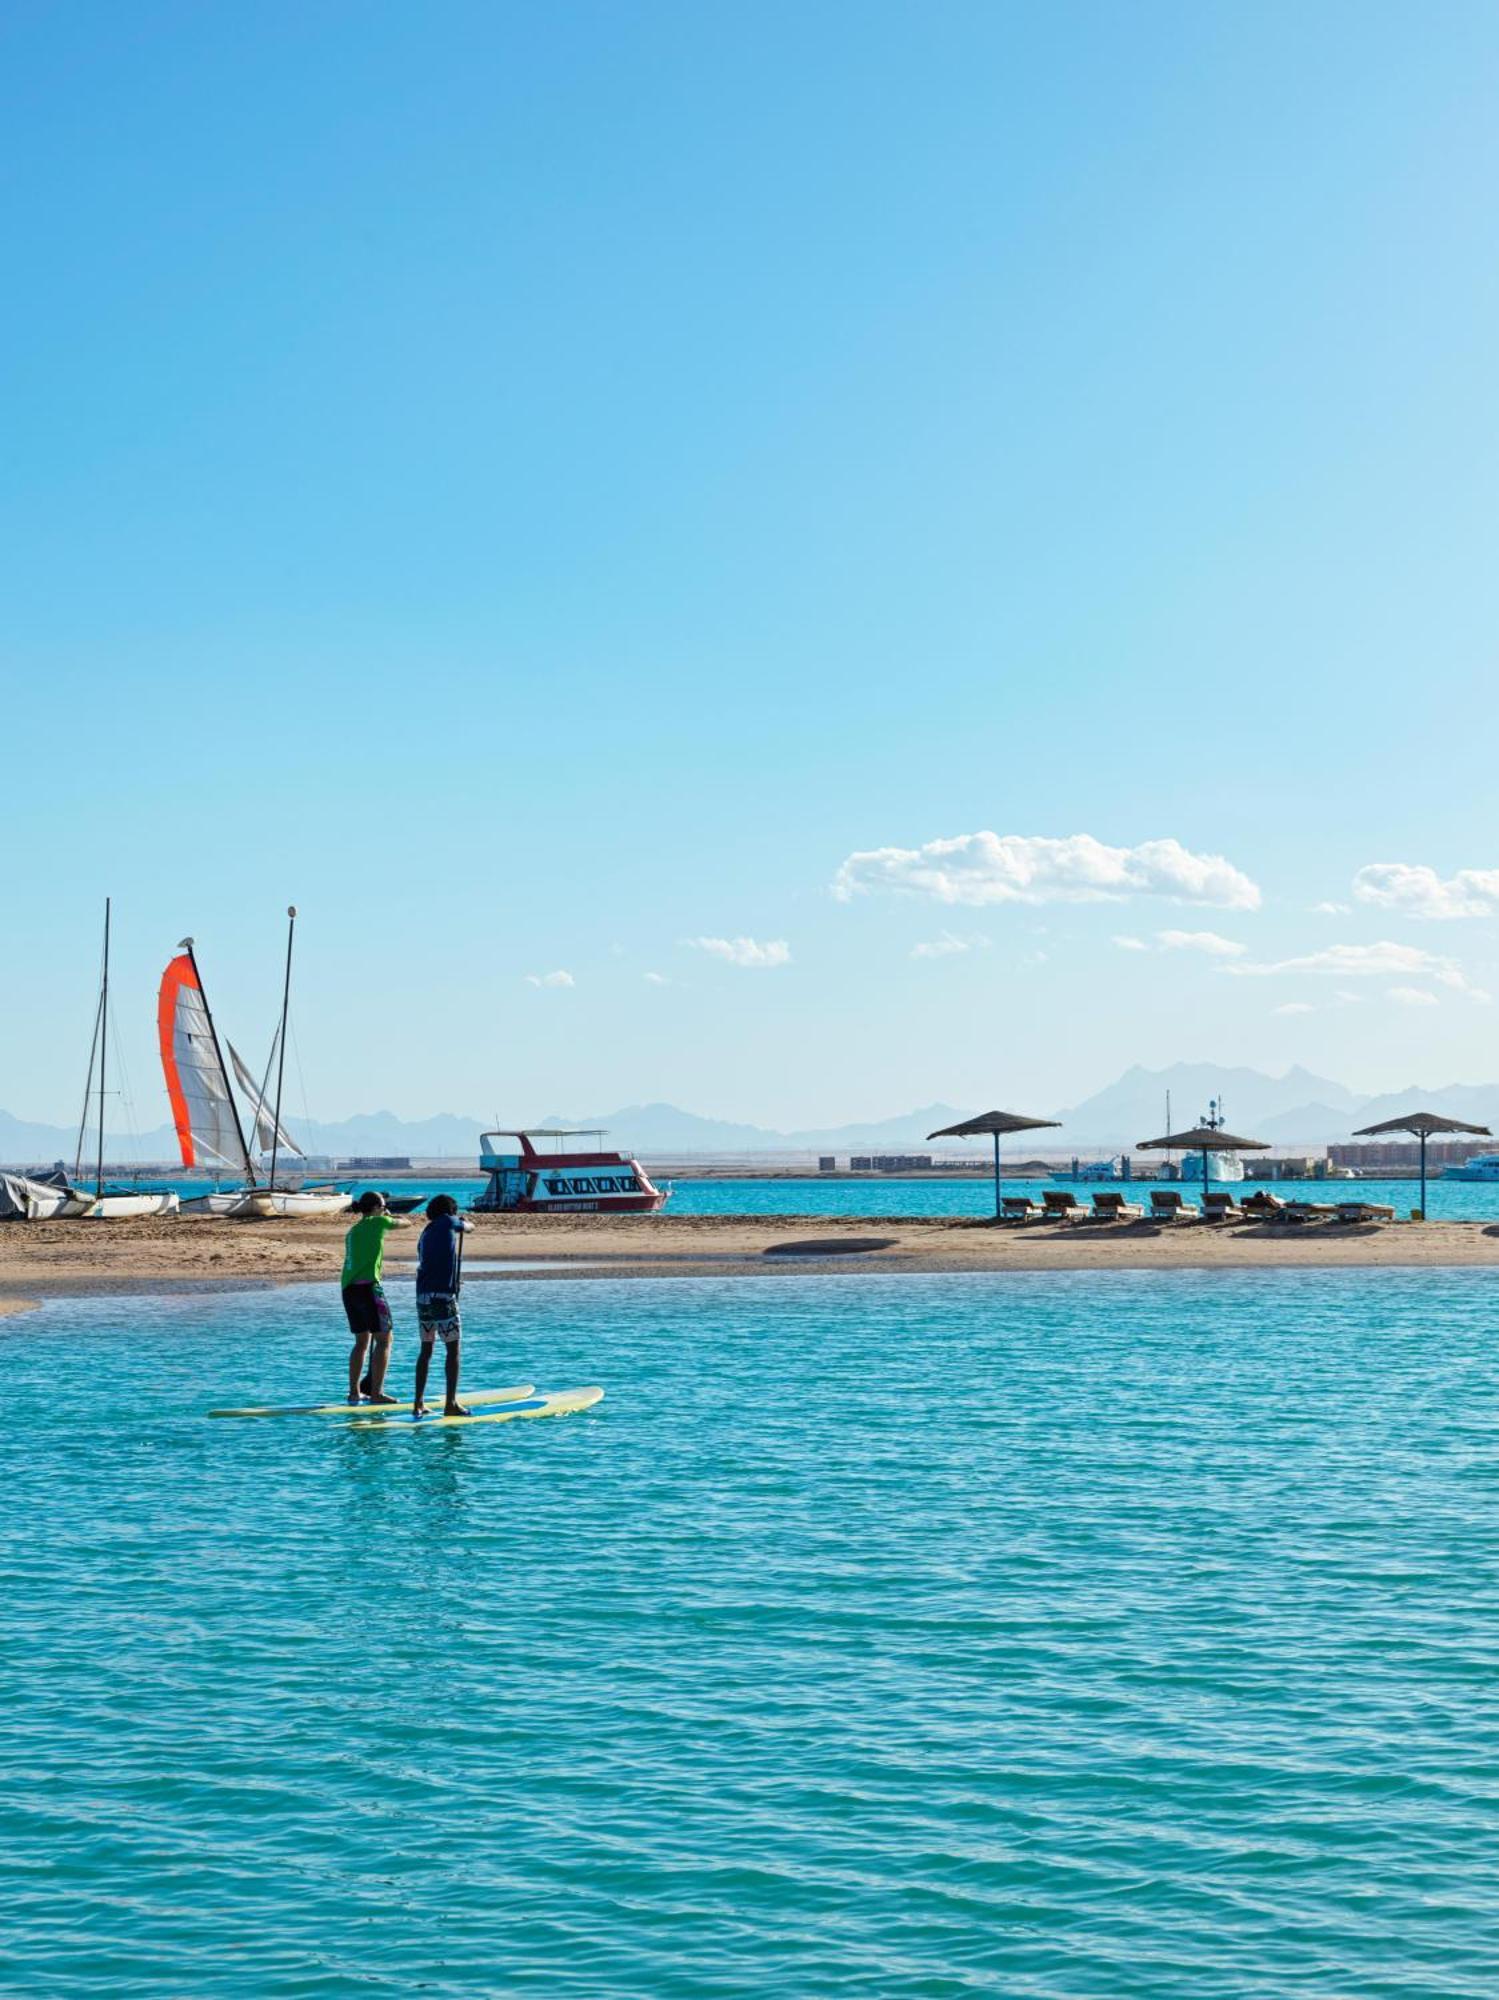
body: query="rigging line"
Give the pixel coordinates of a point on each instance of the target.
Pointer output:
(265, 1083)
(125, 1093)
(296, 1056)
(88, 1088)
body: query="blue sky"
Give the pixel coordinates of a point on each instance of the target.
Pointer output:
(542, 486)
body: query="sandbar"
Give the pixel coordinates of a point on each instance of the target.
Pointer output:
(55, 1259)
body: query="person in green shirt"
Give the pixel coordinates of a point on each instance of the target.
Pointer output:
(364, 1299)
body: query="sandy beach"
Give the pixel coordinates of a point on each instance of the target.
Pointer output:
(45, 1260)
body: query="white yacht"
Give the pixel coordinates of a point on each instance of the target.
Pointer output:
(1482, 1167)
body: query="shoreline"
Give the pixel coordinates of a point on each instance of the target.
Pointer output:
(39, 1261)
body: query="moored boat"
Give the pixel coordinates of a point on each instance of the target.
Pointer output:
(563, 1183)
(104, 1204)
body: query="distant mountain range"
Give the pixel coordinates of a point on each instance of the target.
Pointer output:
(1297, 1109)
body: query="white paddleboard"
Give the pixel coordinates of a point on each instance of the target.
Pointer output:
(553, 1403)
(515, 1395)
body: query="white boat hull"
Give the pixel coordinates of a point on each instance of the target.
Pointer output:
(269, 1204)
(121, 1207)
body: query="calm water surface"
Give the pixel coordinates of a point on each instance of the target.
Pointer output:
(1052, 1637)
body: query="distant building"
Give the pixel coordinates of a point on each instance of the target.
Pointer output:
(1373, 1157)
(827, 1164)
(374, 1164)
(888, 1163)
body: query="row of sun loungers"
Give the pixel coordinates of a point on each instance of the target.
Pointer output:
(1166, 1205)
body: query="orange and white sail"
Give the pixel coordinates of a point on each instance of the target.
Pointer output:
(203, 1111)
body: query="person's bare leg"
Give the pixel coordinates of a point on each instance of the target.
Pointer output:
(379, 1362)
(356, 1364)
(452, 1408)
(423, 1363)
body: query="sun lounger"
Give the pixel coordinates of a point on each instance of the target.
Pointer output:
(1307, 1211)
(1060, 1205)
(1363, 1211)
(1262, 1206)
(1166, 1205)
(1019, 1208)
(1114, 1208)
(1221, 1208)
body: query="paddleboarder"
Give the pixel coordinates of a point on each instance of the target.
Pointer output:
(364, 1298)
(439, 1279)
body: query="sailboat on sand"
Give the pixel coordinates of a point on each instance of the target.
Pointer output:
(204, 1110)
(60, 1194)
(100, 1206)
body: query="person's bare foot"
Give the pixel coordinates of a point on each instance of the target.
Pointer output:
(456, 1410)
(381, 1398)
(418, 1409)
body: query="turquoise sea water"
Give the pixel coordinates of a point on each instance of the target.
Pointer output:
(1058, 1637)
(1471, 1201)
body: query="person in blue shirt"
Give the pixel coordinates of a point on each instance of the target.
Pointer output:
(439, 1276)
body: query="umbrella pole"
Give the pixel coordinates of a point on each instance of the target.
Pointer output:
(1423, 1176)
(1204, 1174)
(998, 1205)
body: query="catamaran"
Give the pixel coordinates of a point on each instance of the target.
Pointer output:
(204, 1110)
(58, 1193)
(100, 1206)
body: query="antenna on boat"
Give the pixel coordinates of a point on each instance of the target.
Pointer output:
(291, 925)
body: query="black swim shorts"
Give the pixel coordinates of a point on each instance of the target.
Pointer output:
(367, 1310)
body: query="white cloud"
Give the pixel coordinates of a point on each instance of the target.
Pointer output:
(1295, 1007)
(745, 950)
(657, 979)
(948, 945)
(1203, 941)
(1207, 941)
(550, 979)
(1385, 960)
(1417, 891)
(979, 868)
(1412, 996)
(1331, 910)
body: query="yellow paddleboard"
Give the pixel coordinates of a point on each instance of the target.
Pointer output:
(371, 1409)
(554, 1403)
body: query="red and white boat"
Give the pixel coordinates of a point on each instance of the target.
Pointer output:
(560, 1183)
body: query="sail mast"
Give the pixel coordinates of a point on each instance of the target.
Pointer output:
(291, 925)
(88, 1088)
(192, 959)
(103, 1054)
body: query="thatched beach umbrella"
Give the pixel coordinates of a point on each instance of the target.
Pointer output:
(1422, 1125)
(1204, 1139)
(998, 1123)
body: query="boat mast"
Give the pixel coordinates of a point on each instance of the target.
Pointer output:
(291, 925)
(103, 1054)
(88, 1086)
(187, 946)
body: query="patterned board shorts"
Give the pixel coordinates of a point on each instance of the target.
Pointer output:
(437, 1317)
(367, 1310)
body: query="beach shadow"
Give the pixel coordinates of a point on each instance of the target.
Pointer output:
(831, 1246)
